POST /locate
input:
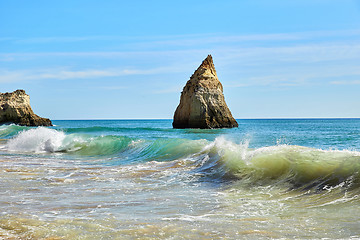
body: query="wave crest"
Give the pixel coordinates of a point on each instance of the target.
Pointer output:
(299, 166)
(7, 131)
(39, 139)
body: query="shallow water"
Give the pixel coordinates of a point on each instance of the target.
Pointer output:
(128, 179)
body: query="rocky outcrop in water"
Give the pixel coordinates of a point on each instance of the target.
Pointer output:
(15, 108)
(202, 102)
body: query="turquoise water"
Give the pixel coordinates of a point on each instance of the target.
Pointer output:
(129, 179)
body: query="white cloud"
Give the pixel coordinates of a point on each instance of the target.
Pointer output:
(291, 64)
(248, 55)
(221, 39)
(298, 53)
(105, 54)
(112, 87)
(345, 82)
(173, 89)
(293, 76)
(61, 74)
(191, 39)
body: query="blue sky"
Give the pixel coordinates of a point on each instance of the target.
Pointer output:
(130, 59)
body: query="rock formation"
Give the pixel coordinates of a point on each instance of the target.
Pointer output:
(202, 103)
(15, 108)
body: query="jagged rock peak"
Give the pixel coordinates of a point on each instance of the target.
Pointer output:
(15, 108)
(202, 103)
(208, 63)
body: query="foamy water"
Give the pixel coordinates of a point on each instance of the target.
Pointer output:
(144, 180)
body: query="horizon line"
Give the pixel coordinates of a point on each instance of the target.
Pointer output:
(274, 118)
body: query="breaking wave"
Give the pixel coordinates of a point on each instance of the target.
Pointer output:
(7, 131)
(297, 166)
(222, 159)
(46, 140)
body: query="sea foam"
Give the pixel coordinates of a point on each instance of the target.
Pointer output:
(37, 140)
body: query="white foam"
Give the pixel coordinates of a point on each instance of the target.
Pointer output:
(37, 140)
(191, 218)
(222, 145)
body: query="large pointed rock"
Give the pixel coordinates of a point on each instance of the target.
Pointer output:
(202, 103)
(15, 108)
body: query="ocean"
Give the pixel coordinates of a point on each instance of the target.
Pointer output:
(142, 179)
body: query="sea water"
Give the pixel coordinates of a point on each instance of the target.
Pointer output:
(141, 179)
